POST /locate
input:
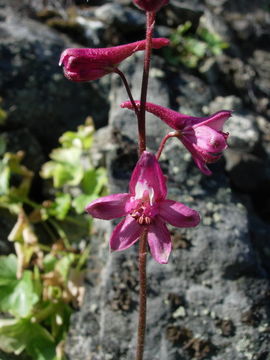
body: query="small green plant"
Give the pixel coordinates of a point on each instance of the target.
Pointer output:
(42, 282)
(192, 48)
(3, 114)
(67, 170)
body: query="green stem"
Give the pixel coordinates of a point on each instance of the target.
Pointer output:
(60, 232)
(44, 313)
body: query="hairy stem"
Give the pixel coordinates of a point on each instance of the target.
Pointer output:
(142, 295)
(162, 144)
(150, 21)
(123, 78)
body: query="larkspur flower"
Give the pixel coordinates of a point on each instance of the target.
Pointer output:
(81, 64)
(150, 5)
(144, 207)
(202, 136)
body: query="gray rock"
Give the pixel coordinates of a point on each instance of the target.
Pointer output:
(115, 14)
(247, 172)
(93, 31)
(177, 12)
(34, 90)
(244, 134)
(22, 139)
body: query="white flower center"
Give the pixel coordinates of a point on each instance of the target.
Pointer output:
(144, 192)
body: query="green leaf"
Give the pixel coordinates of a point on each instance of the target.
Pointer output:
(64, 264)
(65, 169)
(196, 47)
(67, 156)
(182, 29)
(89, 181)
(8, 203)
(80, 202)
(48, 169)
(3, 144)
(93, 181)
(81, 139)
(60, 206)
(8, 267)
(102, 180)
(213, 40)
(60, 328)
(17, 296)
(49, 262)
(4, 178)
(62, 173)
(3, 116)
(22, 334)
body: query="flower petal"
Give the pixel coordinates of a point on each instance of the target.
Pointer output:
(196, 155)
(125, 234)
(178, 214)
(159, 240)
(201, 164)
(209, 139)
(148, 172)
(215, 121)
(109, 207)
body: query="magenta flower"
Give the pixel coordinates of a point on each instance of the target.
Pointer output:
(145, 206)
(202, 136)
(150, 5)
(91, 64)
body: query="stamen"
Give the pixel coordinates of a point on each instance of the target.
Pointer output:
(141, 220)
(147, 220)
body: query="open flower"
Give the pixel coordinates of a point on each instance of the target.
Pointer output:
(90, 64)
(150, 5)
(202, 136)
(144, 207)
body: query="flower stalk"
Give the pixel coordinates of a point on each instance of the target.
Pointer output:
(142, 295)
(124, 80)
(163, 142)
(150, 22)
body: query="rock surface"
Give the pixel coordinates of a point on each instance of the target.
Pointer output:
(32, 86)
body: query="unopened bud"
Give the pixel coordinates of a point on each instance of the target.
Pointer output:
(150, 5)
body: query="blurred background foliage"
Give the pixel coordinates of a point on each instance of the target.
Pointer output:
(191, 49)
(42, 282)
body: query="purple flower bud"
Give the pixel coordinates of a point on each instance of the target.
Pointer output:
(90, 64)
(150, 5)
